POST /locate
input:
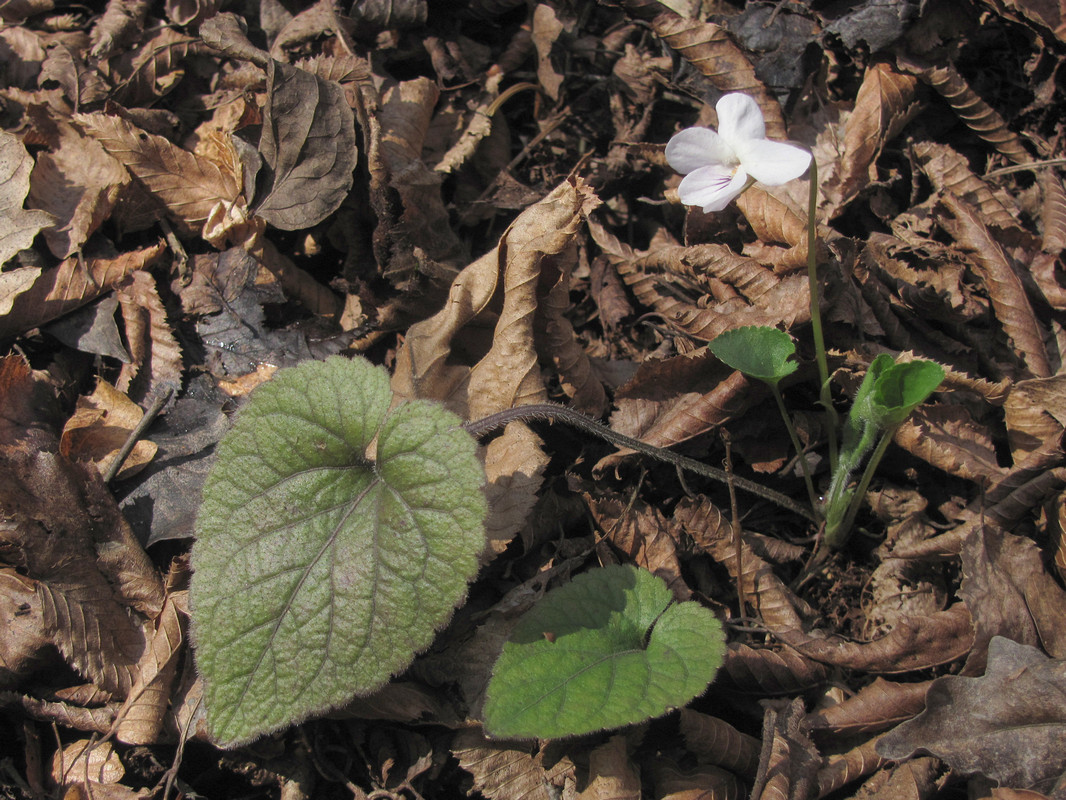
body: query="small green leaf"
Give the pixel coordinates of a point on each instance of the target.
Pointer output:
(903, 387)
(320, 568)
(609, 648)
(757, 351)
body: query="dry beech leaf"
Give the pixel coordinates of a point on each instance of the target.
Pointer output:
(71, 285)
(874, 708)
(546, 29)
(514, 468)
(1035, 414)
(1008, 725)
(774, 222)
(151, 70)
(156, 357)
(119, 25)
(95, 719)
(506, 770)
(716, 742)
(1005, 290)
(790, 762)
(75, 181)
(87, 761)
(840, 770)
(711, 50)
(499, 290)
(772, 672)
(612, 773)
(971, 109)
(916, 643)
(947, 437)
(14, 282)
(702, 783)
(25, 645)
(913, 779)
(18, 227)
(81, 85)
(884, 105)
(774, 603)
(100, 426)
(642, 533)
(1054, 213)
(188, 187)
(949, 172)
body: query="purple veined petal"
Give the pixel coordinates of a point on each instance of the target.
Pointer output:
(739, 118)
(712, 188)
(693, 148)
(774, 163)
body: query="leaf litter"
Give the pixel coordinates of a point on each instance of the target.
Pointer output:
(477, 197)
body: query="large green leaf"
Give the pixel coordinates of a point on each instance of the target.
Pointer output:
(609, 648)
(757, 351)
(320, 567)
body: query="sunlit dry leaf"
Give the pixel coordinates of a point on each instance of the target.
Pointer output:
(25, 644)
(514, 468)
(96, 719)
(153, 69)
(22, 52)
(82, 86)
(18, 227)
(715, 741)
(189, 12)
(14, 282)
(612, 773)
(505, 770)
(75, 181)
(499, 290)
(949, 172)
(1053, 213)
(100, 426)
(1009, 725)
(709, 48)
(948, 437)
(884, 105)
(87, 761)
(1004, 287)
(71, 285)
(156, 364)
(1035, 414)
(119, 25)
(546, 29)
(874, 708)
(913, 779)
(981, 118)
(18, 10)
(187, 186)
(775, 223)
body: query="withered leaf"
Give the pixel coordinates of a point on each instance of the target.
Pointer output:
(505, 770)
(1009, 725)
(18, 227)
(308, 148)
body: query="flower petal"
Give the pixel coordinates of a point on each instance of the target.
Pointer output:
(739, 118)
(712, 188)
(773, 163)
(693, 148)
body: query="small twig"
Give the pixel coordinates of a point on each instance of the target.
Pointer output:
(1031, 166)
(738, 541)
(136, 433)
(551, 411)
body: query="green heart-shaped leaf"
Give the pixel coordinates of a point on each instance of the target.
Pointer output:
(320, 567)
(757, 351)
(903, 387)
(609, 648)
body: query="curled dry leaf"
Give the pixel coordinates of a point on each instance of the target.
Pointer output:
(840, 770)
(612, 774)
(1053, 213)
(949, 172)
(514, 467)
(948, 437)
(18, 227)
(716, 742)
(504, 770)
(789, 764)
(876, 707)
(772, 672)
(1035, 414)
(703, 783)
(100, 426)
(87, 761)
(156, 363)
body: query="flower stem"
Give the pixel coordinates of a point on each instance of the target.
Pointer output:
(825, 392)
(839, 535)
(551, 411)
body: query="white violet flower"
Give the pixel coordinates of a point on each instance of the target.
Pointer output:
(718, 165)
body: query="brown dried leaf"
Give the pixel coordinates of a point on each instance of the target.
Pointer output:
(546, 29)
(1004, 287)
(916, 643)
(81, 85)
(612, 773)
(884, 105)
(773, 221)
(1035, 414)
(18, 227)
(71, 285)
(514, 468)
(98, 719)
(774, 602)
(506, 374)
(100, 426)
(1054, 213)
(119, 25)
(716, 742)
(1056, 515)
(25, 644)
(642, 533)
(711, 50)
(18, 10)
(948, 437)
(190, 188)
(914, 779)
(842, 769)
(75, 181)
(505, 770)
(979, 117)
(949, 172)
(876, 707)
(704, 783)
(789, 765)
(87, 761)
(153, 69)
(1009, 725)
(771, 672)
(156, 362)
